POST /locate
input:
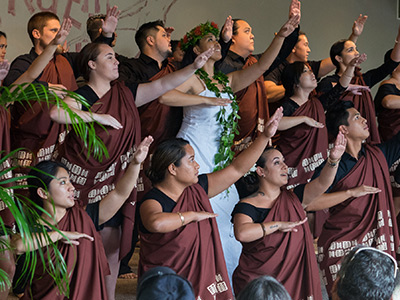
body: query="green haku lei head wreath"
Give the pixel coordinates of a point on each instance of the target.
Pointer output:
(197, 33)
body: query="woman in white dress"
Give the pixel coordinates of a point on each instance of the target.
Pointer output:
(210, 129)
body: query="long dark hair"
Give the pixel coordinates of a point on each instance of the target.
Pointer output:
(291, 77)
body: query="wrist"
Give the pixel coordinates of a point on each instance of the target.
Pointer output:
(333, 163)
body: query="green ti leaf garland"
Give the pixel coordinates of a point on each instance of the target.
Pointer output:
(229, 123)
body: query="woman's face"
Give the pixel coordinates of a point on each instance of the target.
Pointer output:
(307, 79)
(105, 64)
(188, 170)
(348, 53)
(207, 42)
(3, 48)
(61, 190)
(275, 169)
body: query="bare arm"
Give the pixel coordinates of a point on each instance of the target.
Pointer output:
(147, 92)
(222, 179)
(395, 56)
(110, 204)
(243, 78)
(391, 102)
(247, 231)
(274, 91)
(290, 122)
(178, 98)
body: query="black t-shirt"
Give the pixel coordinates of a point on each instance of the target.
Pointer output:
(258, 214)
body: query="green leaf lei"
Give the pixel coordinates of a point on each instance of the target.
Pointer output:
(229, 123)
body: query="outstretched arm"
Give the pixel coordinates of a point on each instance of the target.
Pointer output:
(110, 204)
(178, 98)
(290, 122)
(243, 78)
(222, 179)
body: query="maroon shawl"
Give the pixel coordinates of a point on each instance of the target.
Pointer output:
(93, 179)
(287, 256)
(364, 220)
(5, 213)
(32, 128)
(304, 147)
(364, 103)
(161, 122)
(87, 263)
(253, 110)
(193, 251)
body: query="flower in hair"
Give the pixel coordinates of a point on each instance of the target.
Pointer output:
(252, 170)
(197, 33)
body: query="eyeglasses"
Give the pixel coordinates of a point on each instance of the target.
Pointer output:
(379, 251)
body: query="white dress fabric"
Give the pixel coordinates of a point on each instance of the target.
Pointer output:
(201, 129)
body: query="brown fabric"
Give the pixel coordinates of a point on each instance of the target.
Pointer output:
(389, 123)
(364, 220)
(161, 122)
(31, 126)
(364, 103)
(304, 147)
(5, 213)
(87, 262)
(93, 179)
(253, 110)
(193, 251)
(287, 256)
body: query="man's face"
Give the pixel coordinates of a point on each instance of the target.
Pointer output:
(357, 128)
(49, 32)
(244, 38)
(163, 42)
(301, 50)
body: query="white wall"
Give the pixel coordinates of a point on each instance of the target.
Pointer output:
(324, 21)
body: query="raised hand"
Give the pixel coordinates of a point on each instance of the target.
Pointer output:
(169, 31)
(142, 150)
(289, 26)
(356, 61)
(4, 68)
(111, 21)
(313, 123)
(108, 120)
(272, 124)
(294, 8)
(227, 29)
(63, 32)
(339, 147)
(73, 236)
(358, 25)
(201, 59)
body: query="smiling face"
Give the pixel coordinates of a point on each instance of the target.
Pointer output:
(61, 190)
(3, 48)
(275, 168)
(243, 39)
(348, 53)
(207, 42)
(357, 128)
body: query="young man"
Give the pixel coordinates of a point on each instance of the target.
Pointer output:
(358, 190)
(300, 52)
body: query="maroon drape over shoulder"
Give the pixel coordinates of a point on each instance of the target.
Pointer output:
(193, 251)
(161, 122)
(287, 256)
(93, 179)
(5, 213)
(253, 110)
(364, 103)
(87, 263)
(367, 220)
(389, 123)
(32, 127)
(304, 147)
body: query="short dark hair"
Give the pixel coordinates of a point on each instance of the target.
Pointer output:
(168, 152)
(90, 52)
(93, 25)
(41, 176)
(337, 49)
(337, 115)
(145, 30)
(235, 26)
(367, 275)
(264, 288)
(291, 77)
(39, 21)
(3, 34)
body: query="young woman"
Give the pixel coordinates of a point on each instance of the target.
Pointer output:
(4, 64)
(270, 224)
(211, 129)
(342, 53)
(177, 225)
(52, 190)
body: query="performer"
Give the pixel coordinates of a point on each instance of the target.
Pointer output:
(341, 53)
(270, 224)
(273, 83)
(252, 100)
(358, 191)
(177, 225)
(52, 190)
(211, 129)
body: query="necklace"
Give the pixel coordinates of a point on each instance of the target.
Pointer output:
(228, 122)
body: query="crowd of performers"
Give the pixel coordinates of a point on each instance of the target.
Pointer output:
(252, 156)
